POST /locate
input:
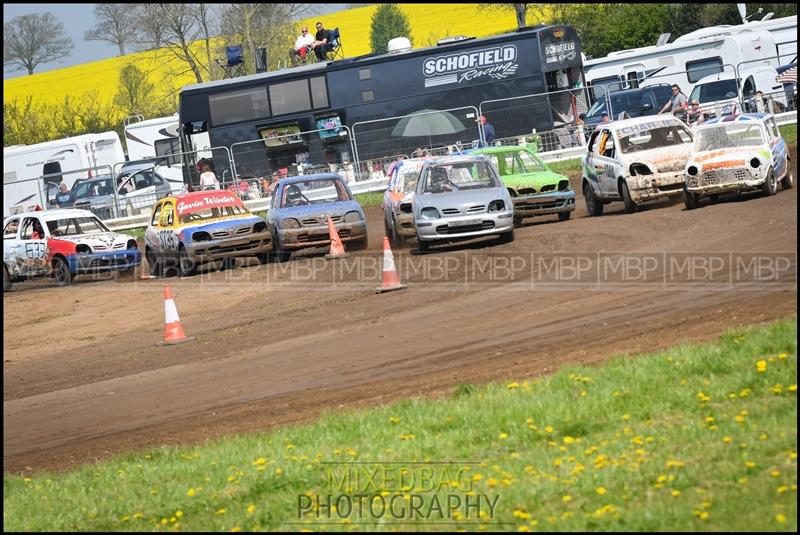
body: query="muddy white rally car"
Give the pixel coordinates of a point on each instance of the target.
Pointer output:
(63, 243)
(635, 160)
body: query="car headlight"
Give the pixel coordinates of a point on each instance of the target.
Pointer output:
(406, 208)
(692, 170)
(83, 249)
(131, 245)
(352, 217)
(259, 227)
(563, 185)
(755, 163)
(497, 206)
(640, 169)
(201, 236)
(290, 222)
(429, 213)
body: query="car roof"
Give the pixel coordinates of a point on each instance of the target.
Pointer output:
(738, 118)
(501, 148)
(455, 158)
(133, 167)
(636, 121)
(58, 213)
(192, 195)
(306, 178)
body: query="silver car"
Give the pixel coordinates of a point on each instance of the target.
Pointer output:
(461, 197)
(139, 186)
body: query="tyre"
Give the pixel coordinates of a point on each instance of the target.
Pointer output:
(690, 200)
(770, 186)
(422, 246)
(518, 220)
(630, 206)
(187, 267)
(564, 216)
(62, 273)
(399, 240)
(153, 266)
(506, 237)
(277, 251)
(593, 205)
(262, 258)
(787, 182)
(6, 279)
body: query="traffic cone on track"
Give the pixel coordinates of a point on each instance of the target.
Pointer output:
(173, 333)
(337, 248)
(390, 279)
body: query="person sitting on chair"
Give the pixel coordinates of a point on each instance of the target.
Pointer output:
(322, 45)
(302, 46)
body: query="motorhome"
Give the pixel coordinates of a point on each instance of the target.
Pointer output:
(783, 31)
(683, 63)
(156, 140)
(55, 162)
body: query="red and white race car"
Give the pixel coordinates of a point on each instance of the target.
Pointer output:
(65, 243)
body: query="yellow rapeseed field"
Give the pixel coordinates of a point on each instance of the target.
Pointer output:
(429, 22)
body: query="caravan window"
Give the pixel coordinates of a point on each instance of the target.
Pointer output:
(169, 147)
(695, 70)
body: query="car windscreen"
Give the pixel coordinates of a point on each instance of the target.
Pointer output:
(726, 136)
(630, 101)
(71, 226)
(459, 176)
(213, 213)
(314, 192)
(714, 91)
(94, 188)
(632, 140)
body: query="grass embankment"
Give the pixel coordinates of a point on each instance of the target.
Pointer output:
(694, 438)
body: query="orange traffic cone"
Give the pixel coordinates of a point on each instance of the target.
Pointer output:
(390, 279)
(174, 331)
(337, 248)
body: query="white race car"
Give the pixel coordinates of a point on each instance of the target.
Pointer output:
(635, 160)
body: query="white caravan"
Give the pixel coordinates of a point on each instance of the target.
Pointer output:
(157, 138)
(682, 63)
(783, 31)
(58, 161)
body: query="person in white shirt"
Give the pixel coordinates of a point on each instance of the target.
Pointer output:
(301, 47)
(208, 180)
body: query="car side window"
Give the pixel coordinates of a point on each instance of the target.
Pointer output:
(592, 141)
(158, 179)
(156, 215)
(30, 227)
(167, 216)
(10, 230)
(143, 179)
(773, 129)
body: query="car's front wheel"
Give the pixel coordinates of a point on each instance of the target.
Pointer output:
(62, 273)
(690, 200)
(630, 206)
(188, 267)
(787, 182)
(277, 251)
(152, 263)
(6, 279)
(593, 205)
(506, 237)
(770, 186)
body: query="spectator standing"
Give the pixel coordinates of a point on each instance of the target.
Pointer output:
(488, 129)
(208, 180)
(321, 43)
(65, 198)
(606, 119)
(302, 45)
(677, 102)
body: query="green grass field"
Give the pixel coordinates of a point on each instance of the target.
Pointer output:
(697, 437)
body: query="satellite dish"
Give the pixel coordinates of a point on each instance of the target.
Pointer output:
(663, 39)
(742, 12)
(768, 16)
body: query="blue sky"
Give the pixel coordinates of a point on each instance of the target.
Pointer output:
(77, 18)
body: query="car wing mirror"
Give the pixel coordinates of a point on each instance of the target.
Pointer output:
(647, 106)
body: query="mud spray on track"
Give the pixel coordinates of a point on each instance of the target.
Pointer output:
(83, 378)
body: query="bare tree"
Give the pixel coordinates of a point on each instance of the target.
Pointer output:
(29, 40)
(520, 10)
(267, 26)
(116, 24)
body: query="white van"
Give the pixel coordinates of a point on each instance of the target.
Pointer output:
(156, 140)
(58, 161)
(718, 93)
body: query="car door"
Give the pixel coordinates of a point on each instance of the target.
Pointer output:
(31, 248)
(144, 189)
(604, 163)
(778, 147)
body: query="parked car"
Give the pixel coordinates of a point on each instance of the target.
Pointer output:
(737, 154)
(634, 161)
(718, 93)
(64, 243)
(139, 186)
(188, 230)
(398, 215)
(638, 102)
(461, 197)
(534, 188)
(301, 205)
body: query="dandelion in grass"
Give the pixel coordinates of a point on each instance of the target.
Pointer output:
(221, 512)
(250, 509)
(600, 490)
(502, 436)
(568, 440)
(566, 499)
(727, 439)
(792, 388)
(761, 366)
(750, 464)
(780, 519)
(394, 420)
(675, 493)
(512, 385)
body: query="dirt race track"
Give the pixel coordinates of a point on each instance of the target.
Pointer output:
(279, 343)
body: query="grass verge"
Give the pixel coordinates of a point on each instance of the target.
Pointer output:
(694, 438)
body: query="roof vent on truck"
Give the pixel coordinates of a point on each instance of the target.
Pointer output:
(398, 45)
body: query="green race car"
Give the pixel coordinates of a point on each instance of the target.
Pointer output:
(534, 188)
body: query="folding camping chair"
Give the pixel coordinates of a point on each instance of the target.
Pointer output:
(335, 46)
(234, 65)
